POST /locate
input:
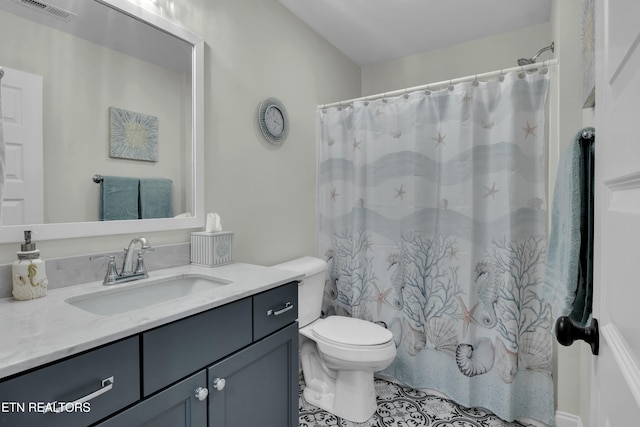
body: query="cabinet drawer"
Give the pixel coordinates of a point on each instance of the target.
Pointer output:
(31, 394)
(173, 351)
(274, 309)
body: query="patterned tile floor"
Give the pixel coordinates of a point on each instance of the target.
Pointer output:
(404, 407)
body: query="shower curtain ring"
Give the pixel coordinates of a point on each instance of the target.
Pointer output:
(521, 74)
(545, 67)
(475, 81)
(501, 77)
(450, 85)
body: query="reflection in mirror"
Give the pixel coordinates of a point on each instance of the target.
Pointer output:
(97, 87)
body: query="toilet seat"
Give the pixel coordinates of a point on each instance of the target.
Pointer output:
(351, 332)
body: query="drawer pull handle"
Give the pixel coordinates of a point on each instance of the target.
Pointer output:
(288, 306)
(107, 384)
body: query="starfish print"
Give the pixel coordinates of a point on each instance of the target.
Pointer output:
(466, 98)
(381, 296)
(334, 194)
(397, 134)
(400, 192)
(487, 125)
(356, 144)
(491, 191)
(529, 130)
(366, 244)
(453, 252)
(331, 141)
(467, 316)
(439, 139)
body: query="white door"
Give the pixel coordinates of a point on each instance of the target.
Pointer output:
(615, 393)
(22, 124)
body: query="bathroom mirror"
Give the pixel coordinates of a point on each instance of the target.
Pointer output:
(91, 55)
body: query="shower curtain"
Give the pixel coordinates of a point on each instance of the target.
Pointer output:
(432, 218)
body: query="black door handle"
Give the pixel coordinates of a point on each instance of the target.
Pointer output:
(567, 332)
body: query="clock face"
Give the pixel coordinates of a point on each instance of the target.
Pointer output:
(274, 120)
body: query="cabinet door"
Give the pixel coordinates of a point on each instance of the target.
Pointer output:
(260, 384)
(176, 406)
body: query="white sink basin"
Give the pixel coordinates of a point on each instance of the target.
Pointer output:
(132, 296)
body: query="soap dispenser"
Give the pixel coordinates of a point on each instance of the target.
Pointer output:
(28, 272)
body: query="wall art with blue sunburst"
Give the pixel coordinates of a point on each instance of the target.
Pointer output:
(132, 135)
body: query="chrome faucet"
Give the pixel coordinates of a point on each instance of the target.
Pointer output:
(127, 273)
(127, 265)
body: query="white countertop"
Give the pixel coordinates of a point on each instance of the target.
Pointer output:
(46, 329)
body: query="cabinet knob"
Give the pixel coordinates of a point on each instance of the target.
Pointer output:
(219, 383)
(202, 393)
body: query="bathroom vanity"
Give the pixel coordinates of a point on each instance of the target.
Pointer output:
(221, 357)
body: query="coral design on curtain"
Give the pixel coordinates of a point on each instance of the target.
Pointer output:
(432, 217)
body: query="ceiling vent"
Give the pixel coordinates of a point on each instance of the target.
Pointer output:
(47, 9)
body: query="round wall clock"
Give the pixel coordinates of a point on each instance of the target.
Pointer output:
(273, 121)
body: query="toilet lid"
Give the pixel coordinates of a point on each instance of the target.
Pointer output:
(352, 331)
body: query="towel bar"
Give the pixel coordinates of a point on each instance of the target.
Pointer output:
(588, 134)
(97, 178)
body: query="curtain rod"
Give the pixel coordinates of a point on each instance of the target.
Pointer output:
(436, 85)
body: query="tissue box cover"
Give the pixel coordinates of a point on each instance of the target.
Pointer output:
(211, 249)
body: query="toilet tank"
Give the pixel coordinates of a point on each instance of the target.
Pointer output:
(310, 289)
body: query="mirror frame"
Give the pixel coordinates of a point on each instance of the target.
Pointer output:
(14, 233)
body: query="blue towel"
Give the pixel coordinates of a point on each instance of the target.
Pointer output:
(565, 239)
(118, 198)
(156, 198)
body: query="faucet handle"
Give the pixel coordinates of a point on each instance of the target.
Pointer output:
(140, 268)
(112, 271)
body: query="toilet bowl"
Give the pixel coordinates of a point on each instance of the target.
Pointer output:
(338, 354)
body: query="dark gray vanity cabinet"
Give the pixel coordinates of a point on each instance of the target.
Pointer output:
(232, 366)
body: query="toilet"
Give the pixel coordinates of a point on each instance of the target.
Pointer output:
(338, 354)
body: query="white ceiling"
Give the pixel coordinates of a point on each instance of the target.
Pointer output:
(370, 31)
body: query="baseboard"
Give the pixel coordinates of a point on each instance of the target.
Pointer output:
(564, 419)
